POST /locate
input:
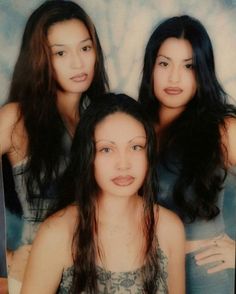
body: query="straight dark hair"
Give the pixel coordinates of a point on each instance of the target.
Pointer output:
(194, 138)
(34, 88)
(80, 183)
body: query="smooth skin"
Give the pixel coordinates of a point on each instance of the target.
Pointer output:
(174, 86)
(121, 144)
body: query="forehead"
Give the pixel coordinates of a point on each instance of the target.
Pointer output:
(176, 47)
(119, 126)
(65, 31)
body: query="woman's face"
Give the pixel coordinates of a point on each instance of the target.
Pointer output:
(173, 76)
(73, 55)
(121, 157)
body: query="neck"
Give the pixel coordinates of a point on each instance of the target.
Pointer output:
(68, 105)
(167, 116)
(116, 210)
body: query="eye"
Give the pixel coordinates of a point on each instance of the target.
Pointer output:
(60, 53)
(137, 147)
(189, 66)
(86, 48)
(105, 150)
(163, 63)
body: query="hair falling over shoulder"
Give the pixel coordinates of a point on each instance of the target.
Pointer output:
(194, 138)
(34, 88)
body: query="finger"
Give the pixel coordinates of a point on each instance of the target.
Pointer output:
(208, 252)
(217, 268)
(210, 259)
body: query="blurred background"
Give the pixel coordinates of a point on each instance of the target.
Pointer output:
(124, 27)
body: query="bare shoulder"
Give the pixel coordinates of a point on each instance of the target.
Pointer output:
(229, 139)
(55, 236)
(60, 225)
(51, 253)
(9, 114)
(168, 218)
(170, 228)
(9, 118)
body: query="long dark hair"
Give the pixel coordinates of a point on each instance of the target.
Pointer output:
(80, 182)
(34, 88)
(194, 138)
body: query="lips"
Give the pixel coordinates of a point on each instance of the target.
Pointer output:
(123, 181)
(173, 90)
(79, 78)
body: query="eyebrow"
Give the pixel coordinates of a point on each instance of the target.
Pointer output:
(61, 45)
(187, 59)
(112, 142)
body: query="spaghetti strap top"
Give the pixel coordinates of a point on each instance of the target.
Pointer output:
(120, 282)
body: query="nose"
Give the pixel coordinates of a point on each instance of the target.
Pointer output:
(123, 161)
(76, 60)
(174, 75)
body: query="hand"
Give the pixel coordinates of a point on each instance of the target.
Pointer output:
(220, 250)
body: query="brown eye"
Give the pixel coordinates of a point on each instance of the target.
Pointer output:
(137, 147)
(189, 66)
(105, 150)
(60, 53)
(86, 48)
(163, 64)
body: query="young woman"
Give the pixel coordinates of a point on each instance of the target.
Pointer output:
(196, 129)
(59, 71)
(113, 239)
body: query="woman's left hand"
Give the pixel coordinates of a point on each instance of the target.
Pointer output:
(218, 250)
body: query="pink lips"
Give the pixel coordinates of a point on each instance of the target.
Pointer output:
(79, 78)
(123, 180)
(173, 90)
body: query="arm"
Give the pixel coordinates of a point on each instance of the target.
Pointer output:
(228, 139)
(172, 231)
(47, 258)
(8, 118)
(220, 252)
(176, 280)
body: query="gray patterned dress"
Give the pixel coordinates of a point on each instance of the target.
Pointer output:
(120, 282)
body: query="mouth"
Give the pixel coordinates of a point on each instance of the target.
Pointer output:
(79, 78)
(173, 90)
(123, 181)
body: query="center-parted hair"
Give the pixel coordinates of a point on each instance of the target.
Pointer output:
(34, 88)
(194, 138)
(80, 184)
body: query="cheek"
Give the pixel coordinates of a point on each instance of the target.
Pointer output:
(141, 165)
(99, 164)
(158, 82)
(91, 60)
(191, 84)
(59, 70)
(188, 77)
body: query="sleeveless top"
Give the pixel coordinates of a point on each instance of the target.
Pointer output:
(30, 220)
(200, 229)
(120, 282)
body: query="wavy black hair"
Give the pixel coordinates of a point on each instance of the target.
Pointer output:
(79, 182)
(194, 138)
(34, 88)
